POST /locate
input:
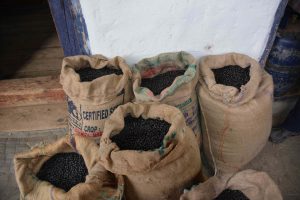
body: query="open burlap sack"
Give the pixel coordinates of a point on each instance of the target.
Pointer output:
(159, 174)
(182, 92)
(90, 103)
(235, 125)
(254, 184)
(100, 184)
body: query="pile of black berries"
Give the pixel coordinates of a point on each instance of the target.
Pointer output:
(231, 195)
(88, 74)
(160, 82)
(64, 170)
(232, 75)
(141, 134)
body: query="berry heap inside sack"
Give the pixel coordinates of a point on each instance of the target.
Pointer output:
(243, 185)
(236, 111)
(169, 78)
(153, 148)
(56, 171)
(95, 86)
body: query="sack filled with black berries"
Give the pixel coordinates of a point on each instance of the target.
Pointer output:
(235, 98)
(95, 86)
(244, 185)
(169, 78)
(153, 148)
(58, 172)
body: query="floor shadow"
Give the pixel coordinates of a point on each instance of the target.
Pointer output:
(24, 27)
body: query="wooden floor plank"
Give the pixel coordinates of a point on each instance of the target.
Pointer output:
(41, 64)
(30, 118)
(36, 68)
(41, 53)
(31, 91)
(52, 42)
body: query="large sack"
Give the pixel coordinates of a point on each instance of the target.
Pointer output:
(182, 92)
(90, 103)
(235, 124)
(99, 185)
(255, 185)
(159, 174)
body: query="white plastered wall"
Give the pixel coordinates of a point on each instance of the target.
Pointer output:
(135, 29)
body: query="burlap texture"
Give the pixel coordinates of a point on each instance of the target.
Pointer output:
(235, 125)
(159, 174)
(254, 184)
(181, 93)
(90, 103)
(99, 185)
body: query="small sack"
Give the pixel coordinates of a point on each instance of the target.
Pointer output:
(90, 103)
(182, 92)
(235, 124)
(253, 184)
(99, 185)
(159, 174)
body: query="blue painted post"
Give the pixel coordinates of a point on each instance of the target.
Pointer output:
(70, 26)
(284, 66)
(278, 15)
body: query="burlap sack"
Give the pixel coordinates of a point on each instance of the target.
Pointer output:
(235, 125)
(100, 184)
(159, 174)
(90, 103)
(255, 185)
(182, 92)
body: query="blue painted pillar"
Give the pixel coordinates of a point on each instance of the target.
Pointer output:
(70, 26)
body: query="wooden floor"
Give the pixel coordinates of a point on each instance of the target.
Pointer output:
(31, 97)
(29, 44)
(45, 61)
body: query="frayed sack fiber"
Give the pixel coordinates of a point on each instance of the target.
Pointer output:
(236, 123)
(91, 102)
(181, 93)
(162, 173)
(99, 183)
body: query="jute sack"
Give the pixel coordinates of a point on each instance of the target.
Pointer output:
(90, 103)
(182, 92)
(235, 125)
(99, 185)
(254, 184)
(159, 174)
